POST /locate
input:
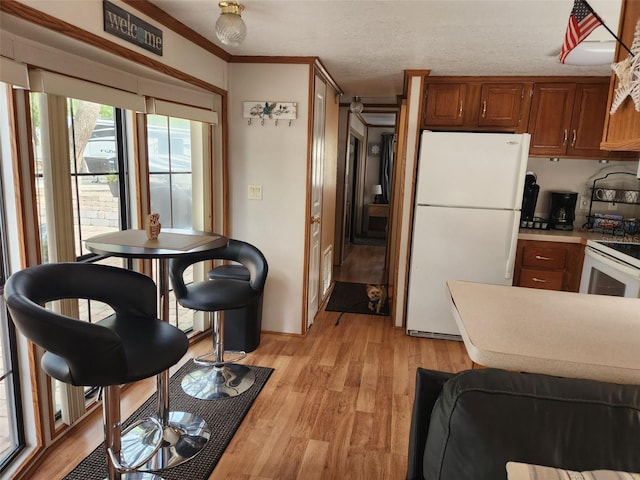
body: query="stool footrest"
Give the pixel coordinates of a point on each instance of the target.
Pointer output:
(120, 467)
(236, 355)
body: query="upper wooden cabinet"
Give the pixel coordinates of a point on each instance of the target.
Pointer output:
(622, 129)
(445, 104)
(500, 104)
(473, 104)
(567, 119)
(564, 115)
(550, 118)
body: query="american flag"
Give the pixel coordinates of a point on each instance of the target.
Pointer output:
(582, 22)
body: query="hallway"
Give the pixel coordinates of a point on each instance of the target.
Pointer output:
(364, 264)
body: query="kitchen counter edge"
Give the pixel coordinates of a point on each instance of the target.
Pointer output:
(572, 236)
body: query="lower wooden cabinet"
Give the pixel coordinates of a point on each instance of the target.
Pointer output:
(548, 265)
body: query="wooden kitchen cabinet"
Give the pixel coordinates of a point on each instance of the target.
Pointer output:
(445, 104)
(548, 265)
(472, 104)
(622, 129)
(550, 118)
(567, 119)
(500, 104)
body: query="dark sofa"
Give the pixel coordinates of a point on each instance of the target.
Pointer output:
(467, 426)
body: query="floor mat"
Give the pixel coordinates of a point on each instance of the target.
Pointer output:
(350, 297)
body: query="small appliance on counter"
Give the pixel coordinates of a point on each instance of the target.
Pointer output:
(529, 197)
(563, 210)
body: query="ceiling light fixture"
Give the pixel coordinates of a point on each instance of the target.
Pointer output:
(230, 27)
(591, 54)
(356, 105)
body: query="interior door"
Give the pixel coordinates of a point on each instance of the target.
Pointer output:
(317, 156)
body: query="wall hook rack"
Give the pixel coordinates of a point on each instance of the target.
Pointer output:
(269, 110)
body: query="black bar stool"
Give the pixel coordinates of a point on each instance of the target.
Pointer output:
(127, 346)
(219, 377)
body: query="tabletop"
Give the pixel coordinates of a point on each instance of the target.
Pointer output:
(170, 243)
(558, 333)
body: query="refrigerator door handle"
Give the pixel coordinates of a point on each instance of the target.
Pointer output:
(512, 250)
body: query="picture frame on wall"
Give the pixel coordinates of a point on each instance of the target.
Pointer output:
(374, 149)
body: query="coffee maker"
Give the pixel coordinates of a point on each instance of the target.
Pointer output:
(563, 210)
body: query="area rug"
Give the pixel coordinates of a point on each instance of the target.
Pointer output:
(223, 417)
(350, 297)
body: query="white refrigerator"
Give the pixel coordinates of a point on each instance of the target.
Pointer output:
(466, 219)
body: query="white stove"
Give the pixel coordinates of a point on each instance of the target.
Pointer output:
(611, 268)
(628, 252)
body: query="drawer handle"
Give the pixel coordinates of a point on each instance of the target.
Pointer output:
(484, 108)
(460, 109)
(539, 280)
(540, 257)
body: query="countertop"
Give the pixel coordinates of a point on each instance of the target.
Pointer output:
(572, 236)
(552, 332)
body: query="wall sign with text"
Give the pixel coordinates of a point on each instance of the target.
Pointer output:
(122, 24)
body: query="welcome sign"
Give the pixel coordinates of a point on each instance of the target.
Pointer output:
(122, 24)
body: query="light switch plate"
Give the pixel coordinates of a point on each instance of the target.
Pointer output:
(255, 192)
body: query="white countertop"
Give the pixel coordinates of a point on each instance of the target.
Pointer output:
(557, 333)
(572, 236)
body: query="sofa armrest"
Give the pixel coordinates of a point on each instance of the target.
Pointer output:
(429, 384)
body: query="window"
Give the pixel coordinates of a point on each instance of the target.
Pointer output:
(170, 187)
(93, 183)
(97, 170)
(170, 182)
(11, 422)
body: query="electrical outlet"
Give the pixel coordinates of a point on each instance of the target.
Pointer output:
(584, 202)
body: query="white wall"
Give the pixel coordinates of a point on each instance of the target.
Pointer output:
(276, 158)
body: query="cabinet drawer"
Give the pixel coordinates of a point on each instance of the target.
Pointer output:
(544, 257)
(548, 280)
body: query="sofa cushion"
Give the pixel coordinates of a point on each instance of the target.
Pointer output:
(526, 471)
(485, 418)
(429, 385)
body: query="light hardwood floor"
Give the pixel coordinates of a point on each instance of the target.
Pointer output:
(337, 406)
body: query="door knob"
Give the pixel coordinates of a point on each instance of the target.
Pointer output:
(315, 219)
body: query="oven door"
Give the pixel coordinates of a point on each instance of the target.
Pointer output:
(605, 275)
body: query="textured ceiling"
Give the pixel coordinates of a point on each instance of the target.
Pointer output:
(366, 45)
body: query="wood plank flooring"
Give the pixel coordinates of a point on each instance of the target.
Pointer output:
(337, 406)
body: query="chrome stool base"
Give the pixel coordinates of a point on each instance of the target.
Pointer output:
(138, 476)
(184, 436)
(227, 380)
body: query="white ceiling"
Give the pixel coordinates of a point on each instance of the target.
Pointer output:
(366, 45)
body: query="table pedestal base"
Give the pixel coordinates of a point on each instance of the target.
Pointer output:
(137, 476)
(228, 380)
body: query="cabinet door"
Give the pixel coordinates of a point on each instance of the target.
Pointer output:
(500, 104)
(445, 104)
(550, 118)
(589, 113)
(622, 129)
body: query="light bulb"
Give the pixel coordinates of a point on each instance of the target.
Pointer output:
(356, 106)
(230, 27)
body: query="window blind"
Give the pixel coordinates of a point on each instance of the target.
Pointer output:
(56, 84)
